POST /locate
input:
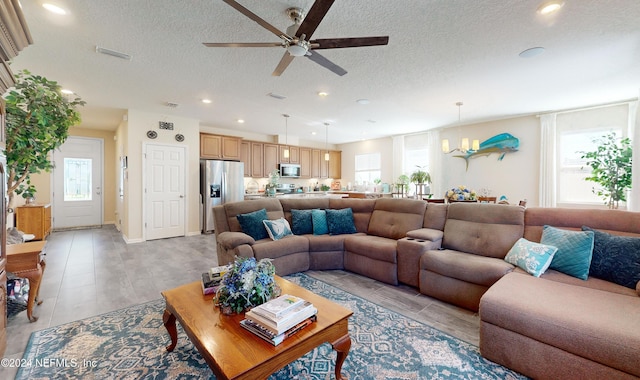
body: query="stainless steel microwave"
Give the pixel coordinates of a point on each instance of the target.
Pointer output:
(289, 170)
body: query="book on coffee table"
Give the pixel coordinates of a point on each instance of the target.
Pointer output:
(271, 337)
(209, 285)
(280, 325)
(278, 307)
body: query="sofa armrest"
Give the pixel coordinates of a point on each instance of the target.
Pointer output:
(429, 234)
(230, 240)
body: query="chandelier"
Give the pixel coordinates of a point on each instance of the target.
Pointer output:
(464, 142)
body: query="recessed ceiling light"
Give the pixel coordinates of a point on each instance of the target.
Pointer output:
(550, 7)
(362, 101)
(54, 9)
(313, 133)
(67, 92)
(206, 101)
(323, 94)
(532, 52)
(240, 121)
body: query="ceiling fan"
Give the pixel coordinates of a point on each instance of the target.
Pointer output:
(297, 37)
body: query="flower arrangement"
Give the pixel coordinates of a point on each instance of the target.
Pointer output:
(247, 284)
(461, 193)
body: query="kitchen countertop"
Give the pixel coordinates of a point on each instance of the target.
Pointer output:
(309, 194)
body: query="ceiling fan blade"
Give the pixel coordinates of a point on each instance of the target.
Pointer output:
(333, 43)
(242, 44)
(322, 61)
(255, 18)
(311, 21)
(284, 62)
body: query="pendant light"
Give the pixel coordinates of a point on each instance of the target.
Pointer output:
(326, 141)
(286, 135)
(464, 142)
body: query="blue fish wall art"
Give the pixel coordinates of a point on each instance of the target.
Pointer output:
(503, 143)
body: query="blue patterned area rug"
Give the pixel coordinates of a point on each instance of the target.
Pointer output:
(129, 344)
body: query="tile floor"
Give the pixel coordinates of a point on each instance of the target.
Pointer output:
(91, 272)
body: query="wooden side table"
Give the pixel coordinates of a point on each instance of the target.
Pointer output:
(34, 219)
(25, 260)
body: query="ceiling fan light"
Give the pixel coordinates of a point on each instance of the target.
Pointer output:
(296, 50)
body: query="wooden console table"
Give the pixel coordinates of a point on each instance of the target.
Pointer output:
(24, 260)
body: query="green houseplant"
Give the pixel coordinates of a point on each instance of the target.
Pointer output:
(38, 121)
(421, 178)
(610, 168)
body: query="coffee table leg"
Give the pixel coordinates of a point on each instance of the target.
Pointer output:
(170, 324)
(342, 347)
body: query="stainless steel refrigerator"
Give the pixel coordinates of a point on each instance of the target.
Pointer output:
(220, 182)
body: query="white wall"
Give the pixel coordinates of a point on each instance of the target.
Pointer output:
(516, 176)
(139, 123)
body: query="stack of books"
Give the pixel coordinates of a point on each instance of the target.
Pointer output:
(211, 280)
(280, 318)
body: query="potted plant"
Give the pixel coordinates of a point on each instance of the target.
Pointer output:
(610, 168)
(401, 184)
(272, 186)
(38, 121)
(421, 178)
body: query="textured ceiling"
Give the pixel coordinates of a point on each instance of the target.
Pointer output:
(439, 52)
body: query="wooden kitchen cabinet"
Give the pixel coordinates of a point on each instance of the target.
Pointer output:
(271, 158)
(257, 159)
(305, 162)
(316, 163)
(335, 164)
(219, 147)
(34, 219)
(294, 154)
(245, 157)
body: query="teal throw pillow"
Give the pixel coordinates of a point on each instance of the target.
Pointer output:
(534, 258)
(615, 258)
(575, 249)
(251, 224)
(277, 229)
(341, 221)
(320, 226)
(301, 222)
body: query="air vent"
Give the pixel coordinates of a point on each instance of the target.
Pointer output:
(171, 105)
(276, 96)
(113, 53)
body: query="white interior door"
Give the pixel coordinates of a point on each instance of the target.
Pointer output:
(77, 183)
(165, 191)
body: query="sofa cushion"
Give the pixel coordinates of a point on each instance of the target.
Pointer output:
(466, 267)
(393, 218)
(278, 248)
(534, 258)
(233, 209)
(484, 229)
(325, 243)
(301, 222)
(616, 258)
(340, 221)
(251, 224)
(319, 221)
(575, 249)
(593, 324)
(374, 247)
(277, 229)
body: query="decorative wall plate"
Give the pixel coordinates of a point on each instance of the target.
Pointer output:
(179, 137)
(152, 134)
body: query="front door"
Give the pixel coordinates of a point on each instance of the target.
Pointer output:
(77, 183)
(164, 191)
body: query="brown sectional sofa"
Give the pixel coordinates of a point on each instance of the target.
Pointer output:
(555, 326)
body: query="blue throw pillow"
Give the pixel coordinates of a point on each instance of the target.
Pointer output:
(575, 249)
(319, 218)
(301, 222)
(534, 258)
(251, 224)
(615, 258)
(277, 229)
(341, 221)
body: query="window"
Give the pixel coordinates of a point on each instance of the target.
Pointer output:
(416, 153)
(576, 132)
(77, 179)
(368, 168)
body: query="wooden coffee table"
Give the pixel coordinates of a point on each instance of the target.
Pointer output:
(235, 353)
